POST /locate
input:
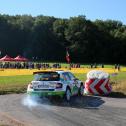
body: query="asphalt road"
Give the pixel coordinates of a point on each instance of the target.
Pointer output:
(81, 111)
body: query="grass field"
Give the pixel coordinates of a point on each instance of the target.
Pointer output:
(14, 84)
(16, 81)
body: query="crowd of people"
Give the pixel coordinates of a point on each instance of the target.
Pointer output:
(28, 65)
(34, 65)
(77, 65)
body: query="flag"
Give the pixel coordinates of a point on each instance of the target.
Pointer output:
(67, 56)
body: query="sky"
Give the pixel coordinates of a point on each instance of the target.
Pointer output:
(92, 9)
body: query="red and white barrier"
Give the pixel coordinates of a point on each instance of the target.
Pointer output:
(97, 83)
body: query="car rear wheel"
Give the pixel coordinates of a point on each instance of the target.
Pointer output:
(68, 94)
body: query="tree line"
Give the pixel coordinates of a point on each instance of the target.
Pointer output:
(46, 38)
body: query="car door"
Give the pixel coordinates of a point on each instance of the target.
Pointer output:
(71, 82)
(75, 83)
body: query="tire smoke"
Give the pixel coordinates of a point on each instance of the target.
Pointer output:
(34, 101)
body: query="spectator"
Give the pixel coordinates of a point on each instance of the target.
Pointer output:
(118, 67)
(102, 65)
(115, 66)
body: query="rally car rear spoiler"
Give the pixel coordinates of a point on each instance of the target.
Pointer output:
(38, 72)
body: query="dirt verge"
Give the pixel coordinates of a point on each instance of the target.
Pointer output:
(7, 120)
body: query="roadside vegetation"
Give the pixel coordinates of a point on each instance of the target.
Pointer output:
(45, 38)
(14, 84)
(18, 83)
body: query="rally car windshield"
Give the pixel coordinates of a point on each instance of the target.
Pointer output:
(47, 76)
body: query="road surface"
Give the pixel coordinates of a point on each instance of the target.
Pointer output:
(81, 111)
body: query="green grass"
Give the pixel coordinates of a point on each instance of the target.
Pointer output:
(81, 76)
(18, 84)
(14, 84)
(121, 76)
(20, 79)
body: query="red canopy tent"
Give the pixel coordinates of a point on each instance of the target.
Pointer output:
(20, 59)
(6, 58)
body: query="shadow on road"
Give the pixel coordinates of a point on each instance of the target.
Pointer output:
(86, 102)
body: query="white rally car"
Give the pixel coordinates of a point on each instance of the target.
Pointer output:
(59, 83)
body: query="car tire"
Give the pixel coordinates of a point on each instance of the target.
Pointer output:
(68, 94)
(81, 90)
